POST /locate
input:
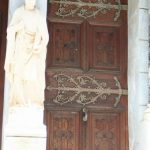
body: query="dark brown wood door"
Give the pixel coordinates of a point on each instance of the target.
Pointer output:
(86, 75)
(3, 26)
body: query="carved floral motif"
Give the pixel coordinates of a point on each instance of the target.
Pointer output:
(63, 133)
(105, 131)
(66, 46)
(105, 49)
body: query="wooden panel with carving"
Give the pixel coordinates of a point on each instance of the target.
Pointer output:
(65, 48)
(103, 44)
(104, 131)
(63, 130)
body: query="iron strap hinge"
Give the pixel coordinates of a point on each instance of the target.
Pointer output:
(84, 89)
(87, 9)
(90, 4)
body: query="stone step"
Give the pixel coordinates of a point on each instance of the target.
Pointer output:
(24, 143)
(25, 130)
(25, 121)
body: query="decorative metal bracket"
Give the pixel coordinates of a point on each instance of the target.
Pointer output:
(87, 9)
(84, 90)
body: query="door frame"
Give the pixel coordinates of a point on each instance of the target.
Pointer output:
(4, 10)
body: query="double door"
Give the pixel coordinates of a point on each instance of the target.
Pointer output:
(102, 130)
(86, 75)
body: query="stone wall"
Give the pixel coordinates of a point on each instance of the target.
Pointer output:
(137, 69)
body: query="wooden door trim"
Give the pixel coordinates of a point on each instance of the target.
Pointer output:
(4, 10)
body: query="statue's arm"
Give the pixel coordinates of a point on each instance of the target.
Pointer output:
(43, 37)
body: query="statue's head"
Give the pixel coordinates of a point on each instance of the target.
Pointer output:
(30, 4)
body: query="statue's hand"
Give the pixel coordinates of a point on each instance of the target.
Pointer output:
(37, 49)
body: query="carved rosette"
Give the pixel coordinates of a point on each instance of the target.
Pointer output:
(63, 133)
(105, 133)
(83, 89)
(66, 51)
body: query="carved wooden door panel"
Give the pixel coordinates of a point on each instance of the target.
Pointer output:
(86, 75)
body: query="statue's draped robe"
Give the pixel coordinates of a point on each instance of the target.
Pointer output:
(27, 38)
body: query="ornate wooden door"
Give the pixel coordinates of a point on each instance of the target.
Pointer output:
(86, 75)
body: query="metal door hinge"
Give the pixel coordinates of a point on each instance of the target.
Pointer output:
(84, 90)
(87, 9)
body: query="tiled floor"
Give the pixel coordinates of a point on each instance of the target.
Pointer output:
(25, 130)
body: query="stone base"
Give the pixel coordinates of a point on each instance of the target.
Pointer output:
(25, 143)
(25, 129)
(26, 121)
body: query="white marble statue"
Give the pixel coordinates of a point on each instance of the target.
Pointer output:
(27, 39)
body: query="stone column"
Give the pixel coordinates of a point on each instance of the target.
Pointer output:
(144, 137)
(137, 70)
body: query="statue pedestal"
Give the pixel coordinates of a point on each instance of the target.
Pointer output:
(26, 121)
(25, 129)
